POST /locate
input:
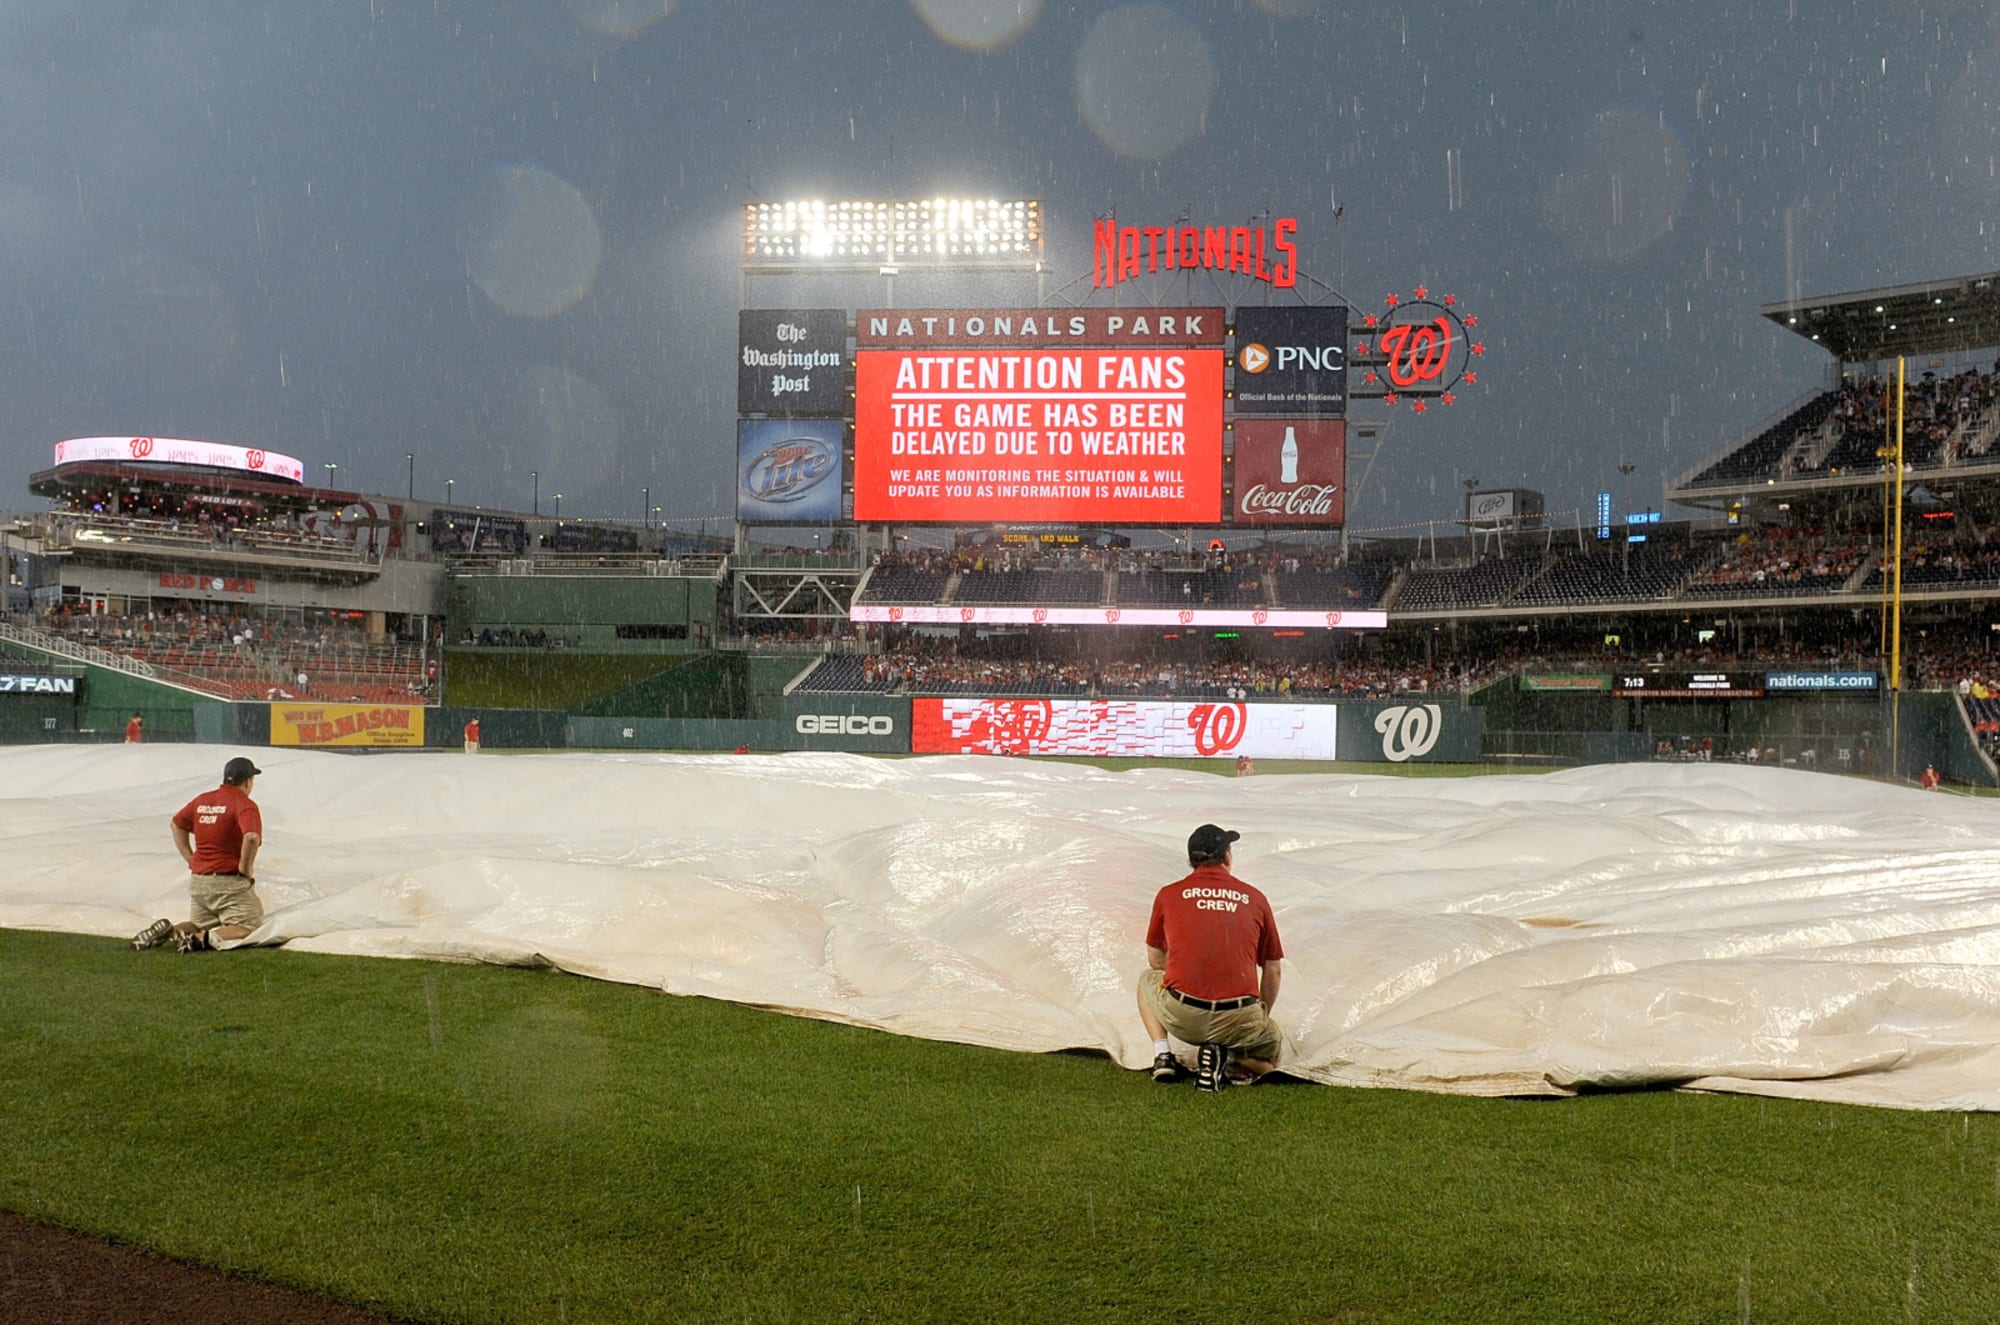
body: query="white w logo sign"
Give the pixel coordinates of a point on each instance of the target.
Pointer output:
(1409, 731)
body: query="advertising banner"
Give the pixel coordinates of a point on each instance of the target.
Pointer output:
(36, 684)
(172, 451)
(1255, 618)
(788, 471)
(1576, 682)
(1038, 328)
(1692, 685)
(1292, 362)
(595, 538)
(1291, 471)
(347, 724)
(1142, 728)
(1409, 732)
(206, 584)
(1038, 437)
(791, 361)
(476, 531)
(1489, 506)
(1848, 682)
(858, 722)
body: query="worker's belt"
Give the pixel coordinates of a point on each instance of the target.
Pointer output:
(1213, 1005)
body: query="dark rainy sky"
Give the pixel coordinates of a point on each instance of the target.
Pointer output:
(503, 235)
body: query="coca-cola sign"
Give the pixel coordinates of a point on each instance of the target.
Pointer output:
(1314, 501)
(1291, 471)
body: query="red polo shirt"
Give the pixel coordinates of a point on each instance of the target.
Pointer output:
(218, 821)
(1218, 932)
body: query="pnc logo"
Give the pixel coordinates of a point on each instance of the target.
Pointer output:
(141, 447)
(1253, 358)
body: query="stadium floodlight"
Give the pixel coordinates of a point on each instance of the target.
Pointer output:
(935, 234)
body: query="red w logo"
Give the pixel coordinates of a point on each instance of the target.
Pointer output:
(1217, 728)
(141, 447)
(254, 458)
(1416, 353)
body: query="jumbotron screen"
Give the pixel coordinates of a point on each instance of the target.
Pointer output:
(1139, 728)
(1123, 436)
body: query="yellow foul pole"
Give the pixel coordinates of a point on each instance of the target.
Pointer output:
(1896, 593)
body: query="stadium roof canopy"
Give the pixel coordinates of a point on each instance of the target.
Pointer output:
(1935, 317)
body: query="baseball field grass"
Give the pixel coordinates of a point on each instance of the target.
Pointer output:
(463, 1143)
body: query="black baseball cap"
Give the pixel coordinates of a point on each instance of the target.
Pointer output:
(239, 770)
(1210, 843)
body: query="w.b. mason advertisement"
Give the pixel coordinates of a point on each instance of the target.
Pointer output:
(788, 471)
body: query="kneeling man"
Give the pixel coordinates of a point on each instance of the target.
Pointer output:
(1212, 955)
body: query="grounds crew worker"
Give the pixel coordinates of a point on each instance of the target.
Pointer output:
(1212, 955)
(218, 834)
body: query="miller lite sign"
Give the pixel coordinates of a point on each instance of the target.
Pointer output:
(1291, 471)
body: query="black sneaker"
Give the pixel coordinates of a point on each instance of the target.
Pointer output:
(1209, 1065)
(1166, 1068)
(153, 935)
(190, 940)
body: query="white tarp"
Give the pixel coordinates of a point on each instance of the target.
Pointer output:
(1731, 928)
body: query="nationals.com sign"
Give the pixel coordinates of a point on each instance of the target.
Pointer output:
(1153, 729)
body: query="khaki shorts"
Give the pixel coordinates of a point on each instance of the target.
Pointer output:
(223, 899)
(1250, 1030)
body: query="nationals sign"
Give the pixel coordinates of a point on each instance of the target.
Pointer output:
(168, 451)
(1157, 729)
(1043, 436)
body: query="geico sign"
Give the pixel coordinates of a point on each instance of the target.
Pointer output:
(843, 724)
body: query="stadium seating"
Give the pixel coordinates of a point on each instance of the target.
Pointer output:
(1484, 584)
(901, 585)
(1758, 457)
(1031, 586)
(1626, 574)
(1241, 587)
(1351, 587)
(842, 672)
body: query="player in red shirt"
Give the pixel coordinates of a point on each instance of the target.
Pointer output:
(134, 729)
(472, 737)
(218, 834)
(1212, 970)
